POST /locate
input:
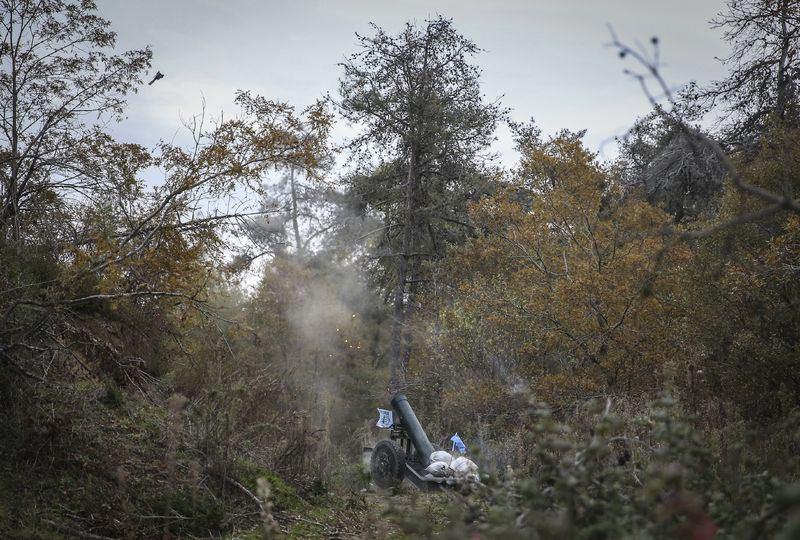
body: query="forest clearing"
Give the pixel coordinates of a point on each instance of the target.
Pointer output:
(394, 305)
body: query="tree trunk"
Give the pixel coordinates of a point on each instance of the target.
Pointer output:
(411, 304)
(783, 80)
(9, 217)
(398, 358)
(299, 248)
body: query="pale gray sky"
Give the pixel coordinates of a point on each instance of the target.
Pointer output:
(546, 57)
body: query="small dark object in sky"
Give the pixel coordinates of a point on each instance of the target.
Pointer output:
(158, 76)
(654, 40)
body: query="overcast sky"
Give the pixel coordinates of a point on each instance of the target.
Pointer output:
(547, 58)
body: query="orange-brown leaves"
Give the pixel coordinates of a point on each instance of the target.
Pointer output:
(559, 280)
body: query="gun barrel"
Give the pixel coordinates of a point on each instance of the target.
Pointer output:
(415, 432)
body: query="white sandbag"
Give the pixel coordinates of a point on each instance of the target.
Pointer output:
(460, 463)
(441, 455)
(438, 468)
(463, 466)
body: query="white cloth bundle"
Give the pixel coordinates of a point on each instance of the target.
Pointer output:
(438, 468)
(441, 455)
(463, 467)
(443, 465)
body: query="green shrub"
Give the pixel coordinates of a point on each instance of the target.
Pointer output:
(190, 511)
(112, 397)
(652, 479)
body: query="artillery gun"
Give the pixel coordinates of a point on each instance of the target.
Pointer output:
(405, 454)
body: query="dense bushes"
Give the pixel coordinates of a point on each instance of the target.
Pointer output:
(651, 476)
(574, 290)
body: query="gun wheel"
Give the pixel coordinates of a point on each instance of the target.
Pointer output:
(388, 464)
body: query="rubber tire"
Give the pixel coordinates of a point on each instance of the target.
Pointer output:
(387, 464)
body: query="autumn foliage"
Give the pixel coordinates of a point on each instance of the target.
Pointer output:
(191, 348)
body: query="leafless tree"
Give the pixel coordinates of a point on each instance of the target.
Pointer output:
(764, 65)
(664, 101)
